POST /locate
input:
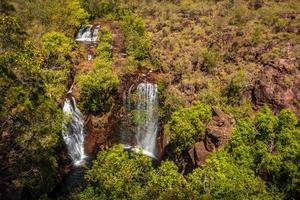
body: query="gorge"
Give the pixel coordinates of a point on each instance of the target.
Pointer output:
(146, 100)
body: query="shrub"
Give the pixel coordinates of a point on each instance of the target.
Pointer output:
(136, 39)
(212, 93)
(234, 90)
(101, 8)
(256, 35)
(210, 60)
(11, 35)
(104, 46)
(240, 14)
(98, 87)
(55, 15)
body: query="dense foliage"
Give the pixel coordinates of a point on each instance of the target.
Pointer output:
(118, 174)
(30, 120)
(261, 162)
(98, 87)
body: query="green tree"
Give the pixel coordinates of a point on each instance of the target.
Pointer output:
(166, 182)
(56, 49)
(101, 8)
(54, 15)
(270, 146)
(98, 87)
(29, 119)
(221, 178)
(118, 174)
(266, 124)
(137, 41)
(187, 125)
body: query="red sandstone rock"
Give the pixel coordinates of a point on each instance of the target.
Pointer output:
(198, 153)
(98, 132)
(278, 86)
(218, 133)
(218, 130)
(162, 141)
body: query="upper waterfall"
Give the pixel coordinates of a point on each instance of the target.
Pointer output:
(73, 132)
(87, 34)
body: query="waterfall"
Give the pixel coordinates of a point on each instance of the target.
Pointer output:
(73, 132)
(87, 34)
(146, 128)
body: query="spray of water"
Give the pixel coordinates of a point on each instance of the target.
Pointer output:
(147, 116)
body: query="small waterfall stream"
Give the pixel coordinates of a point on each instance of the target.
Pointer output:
(73, 125)
(87, 34)
(146, 117)
(73, 131)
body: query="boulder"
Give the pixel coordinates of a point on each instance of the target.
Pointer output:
(218, 133)
(218, 130)
(198, 153)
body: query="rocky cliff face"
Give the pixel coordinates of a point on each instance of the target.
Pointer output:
(99, 133)
(278, 84)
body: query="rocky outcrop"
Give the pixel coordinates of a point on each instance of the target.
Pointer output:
(218, 130)
(278, 86)
(218, 133)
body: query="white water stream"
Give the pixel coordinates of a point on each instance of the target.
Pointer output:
(73, 131)
(87, 34)
(147, 116)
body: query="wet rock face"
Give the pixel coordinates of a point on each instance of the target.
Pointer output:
(162, 142)
(278, 86)
(98, 133)
(218, 133)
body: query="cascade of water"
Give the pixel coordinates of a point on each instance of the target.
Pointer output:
(147, 119)
(87, 34)
(73, 132)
